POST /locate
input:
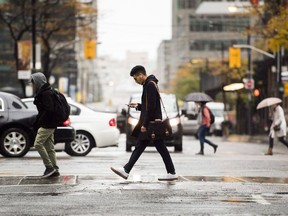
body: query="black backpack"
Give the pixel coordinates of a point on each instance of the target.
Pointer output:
(212, 117)
(61, 107)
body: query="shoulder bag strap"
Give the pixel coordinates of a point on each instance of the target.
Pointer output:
(160, 98)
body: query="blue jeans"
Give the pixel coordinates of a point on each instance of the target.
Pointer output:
(201, 135)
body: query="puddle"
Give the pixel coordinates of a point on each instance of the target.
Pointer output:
(38, 180)
(273, 180)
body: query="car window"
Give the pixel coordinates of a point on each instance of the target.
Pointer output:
(17, 105)
(74, 110)
(1, 104)
(218, 112)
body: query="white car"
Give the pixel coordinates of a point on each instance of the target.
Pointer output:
(93, 129)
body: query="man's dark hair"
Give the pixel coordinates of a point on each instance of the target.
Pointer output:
(137, 69)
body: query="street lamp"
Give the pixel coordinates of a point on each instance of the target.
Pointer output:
(278, 72)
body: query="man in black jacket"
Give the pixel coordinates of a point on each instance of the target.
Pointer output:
(150, 108)
(45, 123)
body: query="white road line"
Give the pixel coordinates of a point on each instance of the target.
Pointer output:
(259, 199)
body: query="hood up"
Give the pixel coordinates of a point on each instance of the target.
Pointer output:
(39, 80)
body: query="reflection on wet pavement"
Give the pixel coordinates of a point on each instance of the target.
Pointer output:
(38, 180)
(75, 179)
(237, 179)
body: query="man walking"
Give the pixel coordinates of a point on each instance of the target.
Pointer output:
(45, 123)
(150, 108)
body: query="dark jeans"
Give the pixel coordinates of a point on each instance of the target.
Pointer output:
(201, 135)
(281, 139)
(161, 148)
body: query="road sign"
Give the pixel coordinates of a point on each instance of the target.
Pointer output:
(248, 83)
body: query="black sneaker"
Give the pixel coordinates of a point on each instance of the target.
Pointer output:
(55, 174)
(48, 172)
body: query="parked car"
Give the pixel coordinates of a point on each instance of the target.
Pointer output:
(171, 105)
(93, 129)
(16, 127)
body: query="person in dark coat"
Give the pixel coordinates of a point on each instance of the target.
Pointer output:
(150, 108)
(45, 123)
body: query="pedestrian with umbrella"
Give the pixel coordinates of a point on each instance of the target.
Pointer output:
(201, 99)
(278, 126)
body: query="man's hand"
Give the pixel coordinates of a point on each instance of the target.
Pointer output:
(143, 129)
(132, 105)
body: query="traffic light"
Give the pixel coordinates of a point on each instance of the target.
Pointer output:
(90, 49)
(256, 92)
(234, 57)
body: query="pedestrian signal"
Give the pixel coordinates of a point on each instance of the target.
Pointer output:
(90, 49)
(234, 57)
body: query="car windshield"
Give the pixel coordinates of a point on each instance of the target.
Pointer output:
(218, 112)
(170, 103)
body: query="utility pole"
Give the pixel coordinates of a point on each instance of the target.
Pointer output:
(33, 70)
(250, 77)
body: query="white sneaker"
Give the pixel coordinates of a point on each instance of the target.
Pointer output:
(121, 172)
(168, 177)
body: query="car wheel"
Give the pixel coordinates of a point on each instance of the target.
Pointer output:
(14, 142)
(81, 146)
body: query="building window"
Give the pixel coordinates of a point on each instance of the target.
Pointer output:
(187, 4)
(221, 24)
(210, 45)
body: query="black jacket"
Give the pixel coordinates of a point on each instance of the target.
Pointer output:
(150, 106)
(44, 101)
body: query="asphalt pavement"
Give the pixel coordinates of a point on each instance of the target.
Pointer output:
(238, 180)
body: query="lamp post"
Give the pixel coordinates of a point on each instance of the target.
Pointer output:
(266, 54)
(277, 57)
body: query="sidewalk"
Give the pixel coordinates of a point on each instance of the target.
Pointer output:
(246, 138)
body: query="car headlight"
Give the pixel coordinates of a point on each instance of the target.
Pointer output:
(174, 121)
(132, 121)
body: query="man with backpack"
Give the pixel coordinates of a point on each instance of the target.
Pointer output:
(206, 119)
(45, 124)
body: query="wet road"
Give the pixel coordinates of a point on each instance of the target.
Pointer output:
(238, 179)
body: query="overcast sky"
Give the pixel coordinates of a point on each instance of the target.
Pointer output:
(135, 25)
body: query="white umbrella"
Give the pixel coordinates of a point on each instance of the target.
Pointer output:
(198, 97)
(268, 102)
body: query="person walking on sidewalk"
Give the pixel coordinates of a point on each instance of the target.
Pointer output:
(45, 123)
(150, 108)
(278, 127)
(204, 119)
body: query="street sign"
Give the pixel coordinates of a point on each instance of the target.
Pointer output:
(24, 74)
(248, 83)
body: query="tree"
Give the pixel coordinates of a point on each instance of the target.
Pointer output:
(56, 27)
(272, 24)
(15, 15)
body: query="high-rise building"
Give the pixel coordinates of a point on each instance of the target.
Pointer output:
(204, 30)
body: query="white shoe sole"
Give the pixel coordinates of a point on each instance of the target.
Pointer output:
(119, 173)
(168, 179)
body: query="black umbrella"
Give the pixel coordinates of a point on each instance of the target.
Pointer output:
(198, 97)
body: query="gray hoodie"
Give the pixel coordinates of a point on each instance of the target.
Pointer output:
(39, 80)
